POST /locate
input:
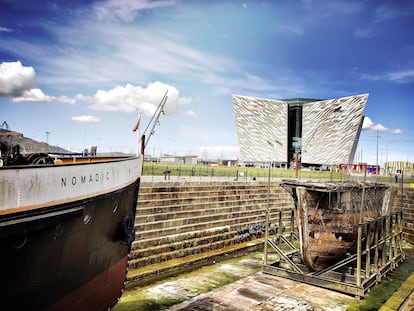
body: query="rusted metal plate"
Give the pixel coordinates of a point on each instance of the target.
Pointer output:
(328, 215)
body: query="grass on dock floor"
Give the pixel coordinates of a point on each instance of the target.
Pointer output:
(393, 289)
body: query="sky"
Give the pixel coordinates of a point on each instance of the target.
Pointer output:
(80, 73)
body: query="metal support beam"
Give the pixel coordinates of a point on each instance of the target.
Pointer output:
(381, 254)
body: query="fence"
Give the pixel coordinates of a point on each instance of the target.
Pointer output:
(176, 172)
(170, 171)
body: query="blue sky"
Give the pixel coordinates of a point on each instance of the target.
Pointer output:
(84, 70)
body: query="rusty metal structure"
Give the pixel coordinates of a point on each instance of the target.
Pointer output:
(344, 237)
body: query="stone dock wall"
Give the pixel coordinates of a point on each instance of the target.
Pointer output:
(180, 222)
(405, 200)
(177, 221)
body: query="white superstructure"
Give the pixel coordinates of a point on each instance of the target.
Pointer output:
(30, 187)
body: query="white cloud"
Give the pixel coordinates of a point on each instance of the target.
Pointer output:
(401, 76)
(184, 100)
(85, 119)
(127, 10)
(386, 12)
(130, 98)
(81, 97)
(368, 125)
(15, 79)
(332, 7)
(129, 53)
(291, 29)
(190, 113)
(5, 29)
(33, 95)
(396, 131)
(66, 100)
(363, 33)
(152, 52)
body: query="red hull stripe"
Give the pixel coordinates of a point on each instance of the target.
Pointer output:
(100, 293)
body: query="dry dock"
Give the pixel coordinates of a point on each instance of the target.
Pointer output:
(237, 284)
(196, 229)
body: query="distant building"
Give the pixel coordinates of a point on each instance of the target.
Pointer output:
(322, 132)
(151, 158)
(400, 167)
(187, 159)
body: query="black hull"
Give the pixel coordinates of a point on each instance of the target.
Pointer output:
(70, 256)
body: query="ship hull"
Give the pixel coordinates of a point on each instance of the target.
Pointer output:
(71, 255)
(328, 215)
(92, 295)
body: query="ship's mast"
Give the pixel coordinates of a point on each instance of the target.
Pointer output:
(153, 122)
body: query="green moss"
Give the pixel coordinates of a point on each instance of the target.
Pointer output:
(189, 284)
(220, 279)
(390, 290)
(139, 300)
(144, 305)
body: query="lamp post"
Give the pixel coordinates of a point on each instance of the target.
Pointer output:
(268, 199)
(376, 167)
(267, 215)
(47, 137)
(376, 164)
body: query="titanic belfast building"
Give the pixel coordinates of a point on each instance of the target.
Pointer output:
(322, 132)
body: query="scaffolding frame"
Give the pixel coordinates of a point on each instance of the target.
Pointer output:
(353, 275)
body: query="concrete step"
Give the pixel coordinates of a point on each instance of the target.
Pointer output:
(248, 231)
(176, 221)
(160, 240)
(179, 253)
(197, 198)
(160, 228)
(192, 212)
(238, 229)
(198, 226)
(184, 242)
(163, 207)
(196, 186)
(149, 194)
(219, 189)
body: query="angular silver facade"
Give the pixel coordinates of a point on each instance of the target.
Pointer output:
(262, 128)
(330, 129)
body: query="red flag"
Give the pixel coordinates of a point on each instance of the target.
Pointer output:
(136, 127)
